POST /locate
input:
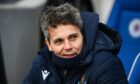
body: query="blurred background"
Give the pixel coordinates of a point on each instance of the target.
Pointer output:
(21, 36)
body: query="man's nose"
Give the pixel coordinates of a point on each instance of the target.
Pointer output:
(67, 46)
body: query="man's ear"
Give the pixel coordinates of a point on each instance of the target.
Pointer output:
(48, 44)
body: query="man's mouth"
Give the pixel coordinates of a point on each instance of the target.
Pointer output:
(69, 55)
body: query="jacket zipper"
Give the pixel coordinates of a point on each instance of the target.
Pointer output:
(64, 77)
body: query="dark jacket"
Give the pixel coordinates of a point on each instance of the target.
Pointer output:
(99, 63)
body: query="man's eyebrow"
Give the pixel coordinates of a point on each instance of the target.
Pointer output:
(74, 34)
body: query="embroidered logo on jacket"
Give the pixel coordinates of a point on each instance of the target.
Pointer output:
(45, 73)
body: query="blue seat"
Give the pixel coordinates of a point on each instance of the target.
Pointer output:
(125, 17)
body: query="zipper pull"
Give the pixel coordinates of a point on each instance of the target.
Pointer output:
(65, 72)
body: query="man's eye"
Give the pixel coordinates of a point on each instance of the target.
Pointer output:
(73, 38)
(58, 42)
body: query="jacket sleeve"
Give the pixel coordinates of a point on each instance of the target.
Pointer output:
(111, 71)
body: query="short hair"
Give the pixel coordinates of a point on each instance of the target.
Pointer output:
(63, 14)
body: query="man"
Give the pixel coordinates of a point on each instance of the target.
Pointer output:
(79, 50)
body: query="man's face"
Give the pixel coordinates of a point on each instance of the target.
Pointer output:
(66, 41)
